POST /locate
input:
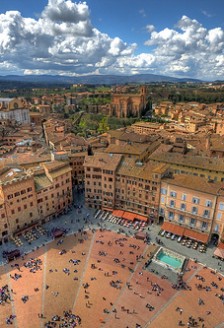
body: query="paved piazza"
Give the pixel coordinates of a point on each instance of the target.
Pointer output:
(101, 278)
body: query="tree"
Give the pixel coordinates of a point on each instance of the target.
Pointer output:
(103, 125)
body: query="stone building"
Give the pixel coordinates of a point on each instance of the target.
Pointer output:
(53, 184)
(137, 187)
(34, 196)
(113, 181)
(100, 173)
(19, 202)
(14, 109)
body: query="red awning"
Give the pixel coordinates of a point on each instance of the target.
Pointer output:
(220, 245)
(140, 217)
(128, 216)
(118, 213)
(201, 237)
(219, 252)
(173, 228)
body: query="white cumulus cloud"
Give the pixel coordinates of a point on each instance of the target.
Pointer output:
(189, 49)
(63, 40)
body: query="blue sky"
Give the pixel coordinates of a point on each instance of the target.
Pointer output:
(183, 38)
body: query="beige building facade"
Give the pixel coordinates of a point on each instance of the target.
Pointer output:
(192, 204)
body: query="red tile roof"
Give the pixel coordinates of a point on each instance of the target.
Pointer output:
(221, 245)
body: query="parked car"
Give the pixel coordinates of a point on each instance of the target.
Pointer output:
(163, 233)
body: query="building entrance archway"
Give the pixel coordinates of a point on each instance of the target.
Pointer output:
(161, 220)
(215, 238)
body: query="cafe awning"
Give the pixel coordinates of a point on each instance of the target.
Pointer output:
(118, 213)
(173, 228)
(198, 236)
(140, 217)
(219, 251)
(128, 216)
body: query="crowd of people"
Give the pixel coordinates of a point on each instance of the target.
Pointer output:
(67, 320)
(5, 295)
(71, 320)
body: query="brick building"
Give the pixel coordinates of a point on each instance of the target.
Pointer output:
(100, 174)
(33, 196)
(114, 181)
(19, 202)
(129, 103)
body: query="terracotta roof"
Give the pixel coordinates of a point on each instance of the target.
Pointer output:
(129, 167)
(41, 182)
(55, 138)
(195, 183)
(77, 154)
(206, 163)
(131, 136)
(26, 159)
(12, 174)
(55, 165)
(103, 161)
(60, 172)
(147, 125)
(217, 143)
(57, 168)
(134, 149)
(163, 148)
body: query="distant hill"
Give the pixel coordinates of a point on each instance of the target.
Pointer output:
(42, 80)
